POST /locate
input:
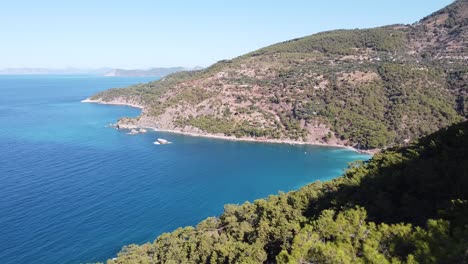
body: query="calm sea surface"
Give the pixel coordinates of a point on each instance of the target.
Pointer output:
(73, 191)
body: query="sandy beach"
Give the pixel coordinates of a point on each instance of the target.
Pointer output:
(114, 102)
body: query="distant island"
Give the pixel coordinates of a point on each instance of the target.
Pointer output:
(55, 71)
(158, 72)
(105, 71)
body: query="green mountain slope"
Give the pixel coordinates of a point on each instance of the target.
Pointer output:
(406, 205)
(369, 88)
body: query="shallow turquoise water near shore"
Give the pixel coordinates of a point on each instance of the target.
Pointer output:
(73, 190)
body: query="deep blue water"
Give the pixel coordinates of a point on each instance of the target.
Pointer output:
(72, 190)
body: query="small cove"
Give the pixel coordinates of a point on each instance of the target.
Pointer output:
(74, 190)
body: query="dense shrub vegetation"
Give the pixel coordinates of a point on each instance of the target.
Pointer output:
(147, 93)
(406, 205)
(343, 42)
(227, 127)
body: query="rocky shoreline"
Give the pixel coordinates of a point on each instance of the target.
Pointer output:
(137, 127)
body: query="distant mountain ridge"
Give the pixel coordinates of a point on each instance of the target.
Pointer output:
(105, 71)
(366, 88)
(159, 72)
(25, 71)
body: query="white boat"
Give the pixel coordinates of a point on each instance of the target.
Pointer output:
(161, 141)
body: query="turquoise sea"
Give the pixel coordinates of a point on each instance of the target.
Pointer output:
(73, 190)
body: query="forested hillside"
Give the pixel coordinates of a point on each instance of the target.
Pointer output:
(368, 88)
(390, 87)
(406, 205)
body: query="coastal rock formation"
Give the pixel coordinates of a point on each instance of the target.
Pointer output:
(133, 132)
(129, 124)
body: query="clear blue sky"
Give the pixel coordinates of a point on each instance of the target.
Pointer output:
(152, 33)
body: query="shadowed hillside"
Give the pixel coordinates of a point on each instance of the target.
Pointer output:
(406, 205)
